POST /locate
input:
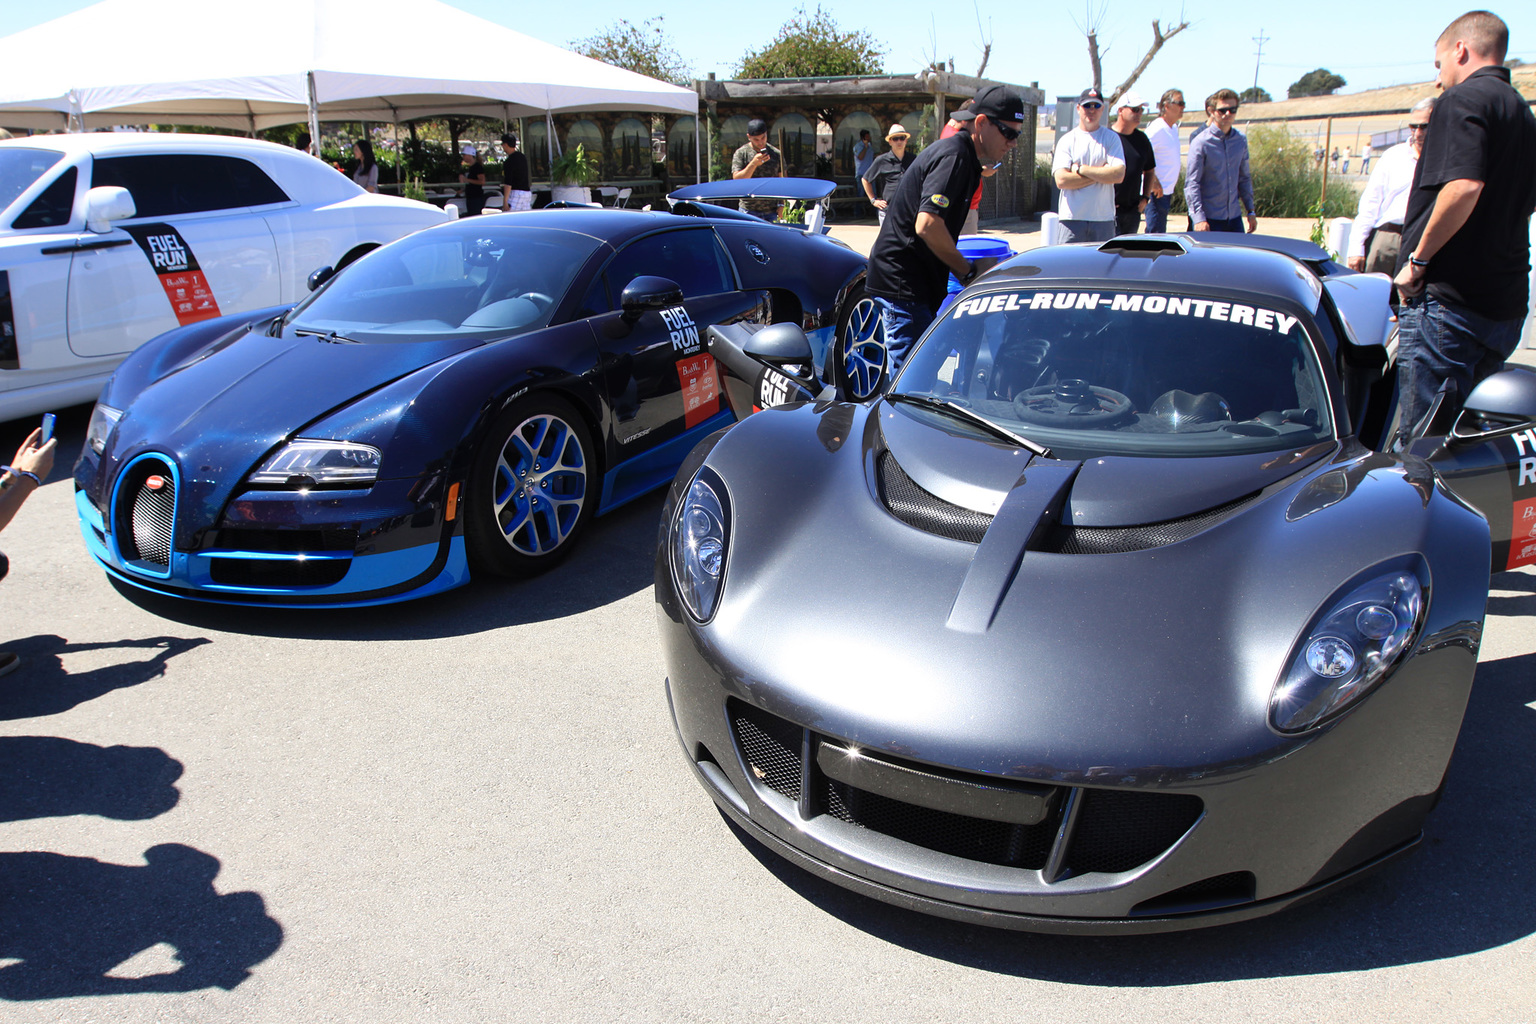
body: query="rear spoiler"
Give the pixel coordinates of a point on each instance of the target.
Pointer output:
(804, 190)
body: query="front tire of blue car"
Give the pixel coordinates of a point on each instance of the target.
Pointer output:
(532, 489)
(859, 357)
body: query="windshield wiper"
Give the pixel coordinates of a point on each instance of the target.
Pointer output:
(330, 336)
(960, 412)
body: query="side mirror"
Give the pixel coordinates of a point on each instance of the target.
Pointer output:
(649, 293)
(1501, 405)
(779, 344)
(105, 204)
(319, 277)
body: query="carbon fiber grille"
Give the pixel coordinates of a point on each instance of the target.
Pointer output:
(770, 746)
(917, 508)
(991, 842)
(1120, 829)
(257, 572)
(152, 513)
(1099, 540)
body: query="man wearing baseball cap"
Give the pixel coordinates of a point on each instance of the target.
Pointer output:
(757, 159)
(914, 254)
(1089, 163)
(1135, 189)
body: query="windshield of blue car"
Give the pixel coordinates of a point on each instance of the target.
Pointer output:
(492, 282)
(1093, 373)
(20, 167)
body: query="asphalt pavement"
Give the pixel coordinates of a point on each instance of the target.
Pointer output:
(474, 808)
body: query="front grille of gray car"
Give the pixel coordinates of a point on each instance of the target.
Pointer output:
(916, 507)
(1112, 830)
(1109, 540)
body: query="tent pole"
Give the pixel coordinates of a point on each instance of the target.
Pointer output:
(314, 117)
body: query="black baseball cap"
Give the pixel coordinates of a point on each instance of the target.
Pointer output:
(997, 102)
(1090, 94)
(757, 126)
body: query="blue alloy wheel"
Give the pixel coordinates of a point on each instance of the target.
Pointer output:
(530, 493)
(861, 351)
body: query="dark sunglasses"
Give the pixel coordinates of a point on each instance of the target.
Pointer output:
(1009, 134)
(1092, 106)
(1226, 110)
(1419, 127)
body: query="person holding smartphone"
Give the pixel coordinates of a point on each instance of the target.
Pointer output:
(25, 474)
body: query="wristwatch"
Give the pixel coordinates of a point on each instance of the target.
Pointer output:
(970, 275)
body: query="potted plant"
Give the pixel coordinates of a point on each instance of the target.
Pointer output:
(572, 173)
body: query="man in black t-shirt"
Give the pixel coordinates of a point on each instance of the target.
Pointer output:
(915, 251)
(886, 169)
(516, 186)
(1464, 265)
(473, 177)
(1135, 188)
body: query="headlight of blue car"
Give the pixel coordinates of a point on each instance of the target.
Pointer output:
(103, 419)
(1349, 649)
(305, 463)
(700, 539)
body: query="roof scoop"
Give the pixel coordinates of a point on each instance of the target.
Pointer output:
(1145, 246)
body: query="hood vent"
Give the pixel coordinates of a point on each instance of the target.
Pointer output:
(1110, 540)
(929, 513)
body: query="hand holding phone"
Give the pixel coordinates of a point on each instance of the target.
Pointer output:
(48, 419)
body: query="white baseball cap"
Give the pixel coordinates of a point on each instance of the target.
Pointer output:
(1131, 98)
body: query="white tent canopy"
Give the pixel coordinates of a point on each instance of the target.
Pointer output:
(237, 64)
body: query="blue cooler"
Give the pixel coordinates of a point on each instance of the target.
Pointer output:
(974, 247)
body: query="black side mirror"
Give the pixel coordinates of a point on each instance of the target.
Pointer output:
(319, 277)
(649, 293)
(1501, 405)
(780, 344)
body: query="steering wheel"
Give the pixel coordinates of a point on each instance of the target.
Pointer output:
(1074, 404)
(544, 302)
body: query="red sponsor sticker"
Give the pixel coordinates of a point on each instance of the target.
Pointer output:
(701, 388)
(191, 298)
(1522, 537)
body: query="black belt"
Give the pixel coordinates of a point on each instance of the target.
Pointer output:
(1391, 229)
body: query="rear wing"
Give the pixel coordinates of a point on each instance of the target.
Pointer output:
(812, 193)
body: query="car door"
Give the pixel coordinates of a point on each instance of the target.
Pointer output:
(192, 251)
(659, 378)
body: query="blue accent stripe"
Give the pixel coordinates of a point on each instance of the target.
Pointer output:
(655, 468)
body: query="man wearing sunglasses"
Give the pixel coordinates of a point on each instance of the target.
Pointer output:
(1164, 136)
(1464, 267)
(915, 252)
(1218, 187)
(1378, 227)
(1088, 164)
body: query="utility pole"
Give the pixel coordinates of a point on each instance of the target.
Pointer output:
(1261, 39)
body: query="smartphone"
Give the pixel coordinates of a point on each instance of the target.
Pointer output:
(48, 419)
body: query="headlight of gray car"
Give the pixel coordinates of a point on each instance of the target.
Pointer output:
(1350, 648)
(306, 463)
(700, 539)
(103, 419)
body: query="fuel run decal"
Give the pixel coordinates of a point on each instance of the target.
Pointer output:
(1522, 483)
(701, 388)
(172, 260)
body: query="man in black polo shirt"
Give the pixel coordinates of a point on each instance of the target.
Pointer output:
(1464, 266)
(915, 251)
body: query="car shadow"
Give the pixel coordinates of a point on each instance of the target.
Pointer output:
(1461, 891)
(41, 685)
(49, 777)
(73, 923)
(614, 560)
(1522, 584)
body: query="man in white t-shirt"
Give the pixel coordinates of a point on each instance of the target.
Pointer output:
(1164, 133)
(1089, 163)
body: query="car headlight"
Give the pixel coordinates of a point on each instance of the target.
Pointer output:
(103, 419)
(1350, 648)
(700, 537)
(308, 463)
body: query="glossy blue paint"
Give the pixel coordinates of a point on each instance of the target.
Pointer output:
(644, 473)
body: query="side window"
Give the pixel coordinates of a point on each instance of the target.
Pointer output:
(164, 185)
(53, 207)
(691, 257)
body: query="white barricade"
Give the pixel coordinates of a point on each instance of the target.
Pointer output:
(1050, 228)
(1338, 235)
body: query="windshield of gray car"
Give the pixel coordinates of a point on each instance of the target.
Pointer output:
(496, 280)
(1091, 373)
(20, 166)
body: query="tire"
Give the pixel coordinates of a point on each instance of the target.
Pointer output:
(858, 358)
(532, 488)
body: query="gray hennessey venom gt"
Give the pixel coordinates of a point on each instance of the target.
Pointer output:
(1114, 613)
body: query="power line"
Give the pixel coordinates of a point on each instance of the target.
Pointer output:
(1258, 56)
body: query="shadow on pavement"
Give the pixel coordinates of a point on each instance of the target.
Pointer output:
(72, 920)
(41, 686)
(1521, 583)
(1463, 890)
(614, 560)
(49, 777)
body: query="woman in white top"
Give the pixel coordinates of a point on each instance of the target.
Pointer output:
(367, 173)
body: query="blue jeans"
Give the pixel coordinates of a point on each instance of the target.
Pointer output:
(1157, 214)
(1437, 342)
(904, 323)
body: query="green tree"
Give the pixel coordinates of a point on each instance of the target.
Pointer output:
(1255, 95)
(644, 49)
(1320, 82)
(811, 46)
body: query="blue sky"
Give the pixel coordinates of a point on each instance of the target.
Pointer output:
(1031, 41)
